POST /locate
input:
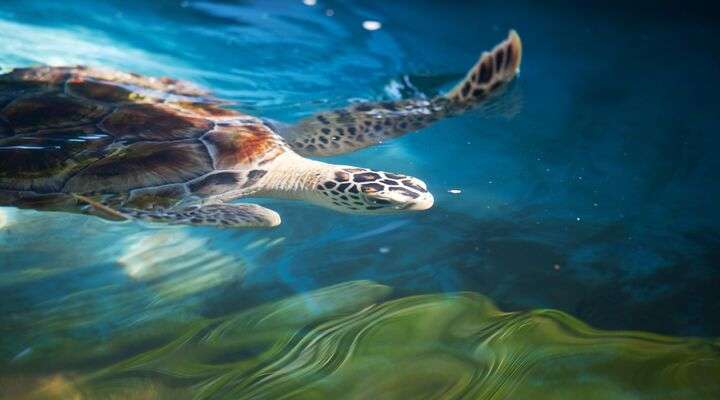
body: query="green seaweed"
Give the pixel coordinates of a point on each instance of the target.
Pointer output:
(346, 342)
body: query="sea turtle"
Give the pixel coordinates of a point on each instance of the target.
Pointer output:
(121, 145)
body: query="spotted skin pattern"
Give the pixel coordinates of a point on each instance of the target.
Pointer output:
(341, 131)
(366, 124)
(224, 215)
(360, 190)
(493, 70)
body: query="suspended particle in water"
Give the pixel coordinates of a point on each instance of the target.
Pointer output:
(371, 25)
(454, 191)
(384, 250)
(329, 12)
(22, 354)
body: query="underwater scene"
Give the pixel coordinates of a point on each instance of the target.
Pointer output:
(561, 240)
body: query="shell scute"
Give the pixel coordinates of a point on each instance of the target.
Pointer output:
(153, 122)
(142, 164)
(206, 109)
(49, 76)
(43, 111)
(24, 81)
(44, 160)
(99, 91)
(242, 145)
(161, 86)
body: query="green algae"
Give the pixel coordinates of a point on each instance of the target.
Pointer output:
(348, 341)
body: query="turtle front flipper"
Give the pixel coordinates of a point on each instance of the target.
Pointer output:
(222, 215)
(366, 124)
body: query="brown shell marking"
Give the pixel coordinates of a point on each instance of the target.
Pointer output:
(143, 164)
(209, 110)
(99, 91)
(162, 84)
(242, 145)
(47, 76)
(25, 81)
(42, 111)
(44, 160)
(118, 87)
(153, 122)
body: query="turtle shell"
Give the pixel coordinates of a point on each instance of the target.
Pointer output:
(82, 130)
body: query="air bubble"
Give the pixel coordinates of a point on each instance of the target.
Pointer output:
(371, 25)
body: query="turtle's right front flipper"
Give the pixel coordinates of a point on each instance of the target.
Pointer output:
(365, 124)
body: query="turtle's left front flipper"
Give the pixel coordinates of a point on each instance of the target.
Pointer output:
(226, 215)
(365, 124)
(223, 215)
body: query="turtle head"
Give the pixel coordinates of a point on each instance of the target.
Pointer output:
(364, 191)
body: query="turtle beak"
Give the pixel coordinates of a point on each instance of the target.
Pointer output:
(424, 202)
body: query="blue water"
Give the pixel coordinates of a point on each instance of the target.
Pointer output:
(593, 190)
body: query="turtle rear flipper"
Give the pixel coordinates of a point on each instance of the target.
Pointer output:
(366, 124)
(222, 215)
